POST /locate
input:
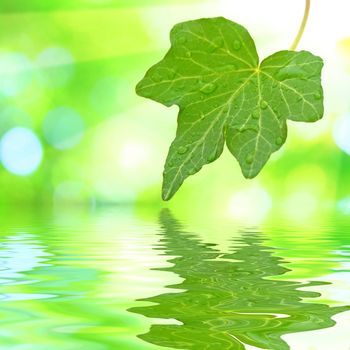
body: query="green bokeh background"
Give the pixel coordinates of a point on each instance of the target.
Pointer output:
(68, 71)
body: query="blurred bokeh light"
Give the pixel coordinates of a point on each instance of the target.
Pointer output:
(20, 151)
(63, 128)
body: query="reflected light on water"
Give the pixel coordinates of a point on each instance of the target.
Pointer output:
(68, 281)
(20, 254)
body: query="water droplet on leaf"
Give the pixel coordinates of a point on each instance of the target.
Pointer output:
(290, 72)
(263, 104)
(208, 88)
(182, 150)
(279, 141)
(237, 44)
(250, 158)
(317, 96)
(256, 114)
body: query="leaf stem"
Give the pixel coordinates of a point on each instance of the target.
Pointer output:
(302, 26)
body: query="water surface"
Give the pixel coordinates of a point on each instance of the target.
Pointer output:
(116, 279)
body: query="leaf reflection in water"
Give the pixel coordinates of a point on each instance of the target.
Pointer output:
(228, 301)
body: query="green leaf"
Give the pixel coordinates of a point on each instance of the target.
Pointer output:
(212, 72)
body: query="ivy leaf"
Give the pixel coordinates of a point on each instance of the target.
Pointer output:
(212, 72)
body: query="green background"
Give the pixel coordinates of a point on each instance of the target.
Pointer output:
(68, 71)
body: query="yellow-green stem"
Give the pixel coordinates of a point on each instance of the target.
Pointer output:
(303, 25)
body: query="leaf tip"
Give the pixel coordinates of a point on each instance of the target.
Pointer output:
(138, 88)
(166, 194)
(250, 173)
(249, 176)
